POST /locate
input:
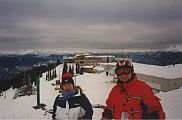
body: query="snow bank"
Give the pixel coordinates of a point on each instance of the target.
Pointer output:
(95, 86)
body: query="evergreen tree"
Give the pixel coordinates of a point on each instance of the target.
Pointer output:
(107, 59)
(55, 74)
(72, 70)
(50, 75)
(69, 70)
(46, 76)
(81, 71)
(77, 68)
(65, 67)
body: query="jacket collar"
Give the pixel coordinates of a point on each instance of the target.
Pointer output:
(126, 85)
(78, 94)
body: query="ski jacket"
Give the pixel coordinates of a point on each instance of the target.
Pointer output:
(135, 101)
(76, 107)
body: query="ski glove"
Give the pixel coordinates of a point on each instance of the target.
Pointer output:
(107, 114)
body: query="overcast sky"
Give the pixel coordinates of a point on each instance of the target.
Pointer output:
(90, 23)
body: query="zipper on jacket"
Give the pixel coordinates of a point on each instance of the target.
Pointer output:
(132, 113)
(67, 110)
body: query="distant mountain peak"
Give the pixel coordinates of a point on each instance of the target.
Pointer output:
(62, 51)
(174, 47)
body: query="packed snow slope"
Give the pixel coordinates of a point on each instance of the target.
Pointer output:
(95, 86)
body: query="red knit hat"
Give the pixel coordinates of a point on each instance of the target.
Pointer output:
(67, 78)
(67, 75)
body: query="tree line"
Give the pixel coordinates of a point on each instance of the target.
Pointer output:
(18, 80)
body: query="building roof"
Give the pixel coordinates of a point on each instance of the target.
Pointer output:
(105, 56)
(66, 58)
(169, 72)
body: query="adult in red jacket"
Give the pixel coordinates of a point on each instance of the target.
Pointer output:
(131, 98)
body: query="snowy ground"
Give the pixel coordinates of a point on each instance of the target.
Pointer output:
(95, 86)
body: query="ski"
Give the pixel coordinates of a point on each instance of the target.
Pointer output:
(48, 111)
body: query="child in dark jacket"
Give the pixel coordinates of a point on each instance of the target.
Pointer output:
(71, 103)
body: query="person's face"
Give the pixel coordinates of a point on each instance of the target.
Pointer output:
(124, 77)
(124, 74)
(68, 86)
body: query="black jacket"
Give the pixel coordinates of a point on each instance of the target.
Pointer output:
(76, 107)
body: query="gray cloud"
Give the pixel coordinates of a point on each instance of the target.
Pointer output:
(90, 23)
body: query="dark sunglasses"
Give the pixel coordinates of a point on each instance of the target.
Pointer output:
(124, 71)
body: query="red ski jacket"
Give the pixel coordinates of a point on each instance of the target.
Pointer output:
(137, 101)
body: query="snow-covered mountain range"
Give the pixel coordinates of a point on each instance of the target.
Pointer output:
(11, 60)
(172, 48)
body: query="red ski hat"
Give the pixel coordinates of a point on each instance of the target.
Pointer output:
(67, 75)
(67, 78)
